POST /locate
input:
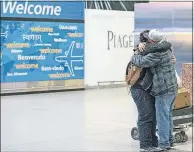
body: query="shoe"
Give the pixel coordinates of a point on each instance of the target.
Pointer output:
(172, 145)
(147, 149)
(169, 148)
(155, 145)
(150, 149)
(143, 150)
(160, 149)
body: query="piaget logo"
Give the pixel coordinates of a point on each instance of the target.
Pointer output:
(118, 41)
(12, 7)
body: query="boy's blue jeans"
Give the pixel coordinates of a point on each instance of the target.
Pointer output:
(164, 106)
(146, 117)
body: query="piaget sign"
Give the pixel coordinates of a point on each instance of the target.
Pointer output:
(119, 41)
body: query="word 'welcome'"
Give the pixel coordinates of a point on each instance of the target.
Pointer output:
(30, 9)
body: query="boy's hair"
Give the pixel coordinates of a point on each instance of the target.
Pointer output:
(144, 36)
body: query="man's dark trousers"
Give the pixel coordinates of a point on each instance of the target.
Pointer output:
(146, 117)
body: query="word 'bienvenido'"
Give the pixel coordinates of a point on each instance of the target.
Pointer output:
(13, 7)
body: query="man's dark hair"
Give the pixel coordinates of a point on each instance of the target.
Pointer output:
(144, 36)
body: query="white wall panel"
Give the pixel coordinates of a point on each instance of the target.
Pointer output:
(108, 44)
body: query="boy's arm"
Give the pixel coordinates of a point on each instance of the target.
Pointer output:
(157, 47)
(146, 61)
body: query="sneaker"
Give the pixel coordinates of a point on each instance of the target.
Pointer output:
(160, 149)
(147, 149)
(155, 145)
(172, 145)
(169, 148)
(151, 149)
(143, 150)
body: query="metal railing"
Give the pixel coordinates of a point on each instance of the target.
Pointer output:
(111, 83)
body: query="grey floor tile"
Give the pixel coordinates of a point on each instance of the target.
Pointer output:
(92, 120)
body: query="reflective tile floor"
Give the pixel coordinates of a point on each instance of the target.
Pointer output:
(91, 120)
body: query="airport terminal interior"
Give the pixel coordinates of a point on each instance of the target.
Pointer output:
(63, 73)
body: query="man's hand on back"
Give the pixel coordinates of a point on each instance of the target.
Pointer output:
(141, 46)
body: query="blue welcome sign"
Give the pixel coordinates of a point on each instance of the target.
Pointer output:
(42, 50)
(40, 9)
